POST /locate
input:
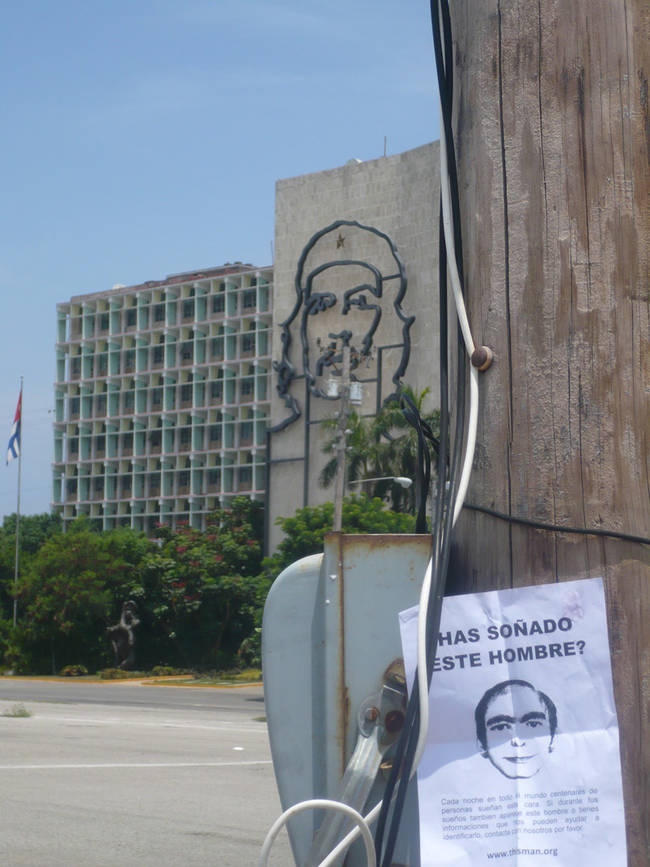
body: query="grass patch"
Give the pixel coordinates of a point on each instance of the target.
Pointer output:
(172, 676)
(235, 675)
(232, 677)
(248, 675)
(18, 711)
(121, 674)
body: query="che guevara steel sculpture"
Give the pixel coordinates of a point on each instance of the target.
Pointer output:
(362, 296)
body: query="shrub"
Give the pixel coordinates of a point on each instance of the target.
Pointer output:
(168, 671)
(116, 674)
(73, 670)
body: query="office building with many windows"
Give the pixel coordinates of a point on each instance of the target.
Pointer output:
(162, 397)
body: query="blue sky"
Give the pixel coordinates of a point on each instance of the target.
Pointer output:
(144, 137)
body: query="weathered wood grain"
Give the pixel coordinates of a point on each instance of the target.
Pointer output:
(551, 122)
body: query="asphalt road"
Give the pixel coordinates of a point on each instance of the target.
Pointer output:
(236, 701)
(126, 775)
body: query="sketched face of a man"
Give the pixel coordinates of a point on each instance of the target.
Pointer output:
(518, 732)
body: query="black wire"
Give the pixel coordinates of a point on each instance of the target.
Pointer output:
(411, 722)
(412, 712)
(423, 464)
(558, 528)
(444, 65)
(446, 494)
(442, 546)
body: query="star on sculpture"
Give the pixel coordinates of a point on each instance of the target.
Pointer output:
(340, 241)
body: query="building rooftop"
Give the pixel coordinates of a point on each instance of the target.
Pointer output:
(173, 279)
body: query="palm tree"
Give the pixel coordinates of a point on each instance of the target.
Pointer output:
(385, 445)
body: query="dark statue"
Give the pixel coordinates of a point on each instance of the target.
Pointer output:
(122, 636)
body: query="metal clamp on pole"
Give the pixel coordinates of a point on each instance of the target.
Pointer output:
(380, 720)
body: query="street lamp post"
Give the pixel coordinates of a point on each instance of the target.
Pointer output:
(402, 481)
(342, 441)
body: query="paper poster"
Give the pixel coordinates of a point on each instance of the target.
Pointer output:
(522, 761)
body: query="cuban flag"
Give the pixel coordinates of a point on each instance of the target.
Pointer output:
(13, 449)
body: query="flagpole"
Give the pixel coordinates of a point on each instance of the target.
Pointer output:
(17, 561)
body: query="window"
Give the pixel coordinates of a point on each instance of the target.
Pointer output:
(186, 392)
(247, 387)
(245, 475)
(214, 477)
(246, 430)
(187, 351)
(218, 303)
(131, 317)
(74, 447)
(159, 313)
(188, 309)
(216, 390)
(100, 443)
(248, 342)
(75, 365)
(103, 322)
(250, 299)
(129, 360)
(158, 354)
(100, 405)
(129, 399)
(263, 341)
(184, 479)
(74, 406)
(215, 433)
(156, 397)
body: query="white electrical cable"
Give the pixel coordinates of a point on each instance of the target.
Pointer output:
(317, 804)
(472, 425)
(340, 848)
(461, 312)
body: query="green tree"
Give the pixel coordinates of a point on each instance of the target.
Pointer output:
(305, 531)
(200, 592)
(34, 531)
(72, 589)
(385, 445)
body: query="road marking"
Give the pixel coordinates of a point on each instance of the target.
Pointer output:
(222, 725)
(133, 765)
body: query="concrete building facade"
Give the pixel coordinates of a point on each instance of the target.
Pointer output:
(356, 250)
(169, 393)
(162, 398)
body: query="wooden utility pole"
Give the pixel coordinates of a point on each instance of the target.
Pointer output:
(551, 129)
